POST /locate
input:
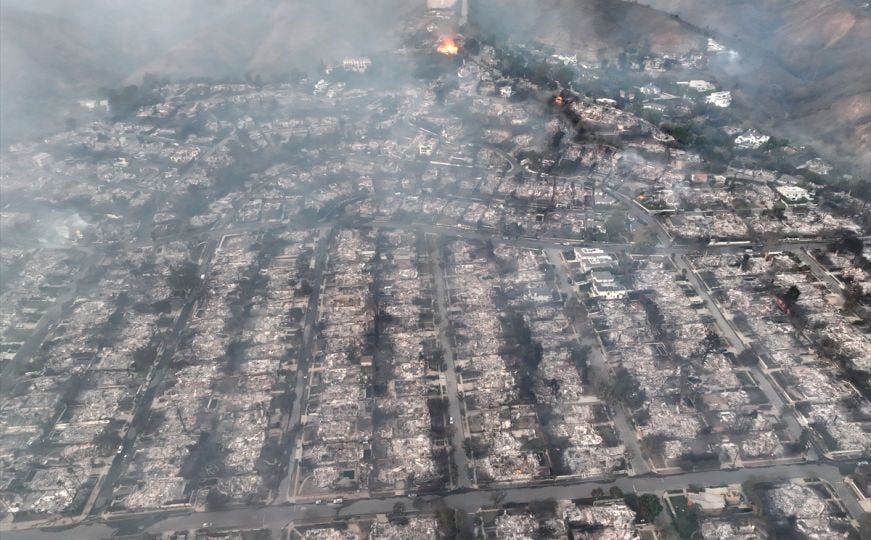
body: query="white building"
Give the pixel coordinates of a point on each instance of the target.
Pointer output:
(751, 139)
(426, 149)
(701, 86)
(359, 65)
(41, 159)
(715, 47)
(816, 165)
(594, 261)
(650, 89)
(567, 60)
(793, 194)
(602, 277)
(604, 286)
(440, 4)
(720, 99)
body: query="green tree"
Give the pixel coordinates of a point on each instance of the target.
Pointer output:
(107, 441)
(865, 525)
(779, 210)
(711, 343)
(295, 314)
(544, 508)
(790, 297)
(452, 523)
(686, 523)
(143, 358)
(646, 506)
(580, 357)
(748, 358)
(683, 134)
(184, 277)
(305, 288)
(206, 451)
(853, 295)
(850, 243)
(216, 500)
(615, 226)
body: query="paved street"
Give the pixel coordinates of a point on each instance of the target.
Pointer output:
(737, 343)
(726, 328)
(597, 361)
(821, 273)
(459, 426)
(288, 486)
(142, 407)
(277, 517)
(61, 306)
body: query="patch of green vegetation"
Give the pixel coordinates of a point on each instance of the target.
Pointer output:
(646, 507)
(685, 519)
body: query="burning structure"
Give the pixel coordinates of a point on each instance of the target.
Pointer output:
(447, 45)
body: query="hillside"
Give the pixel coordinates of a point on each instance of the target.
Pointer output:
(807, 68)
(55, 51)
(272, 38)
(593, 28)
(52, 52)
(219, 49)
(43, 57)
(804, 70)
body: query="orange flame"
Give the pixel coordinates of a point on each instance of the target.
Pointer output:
(448, 46)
